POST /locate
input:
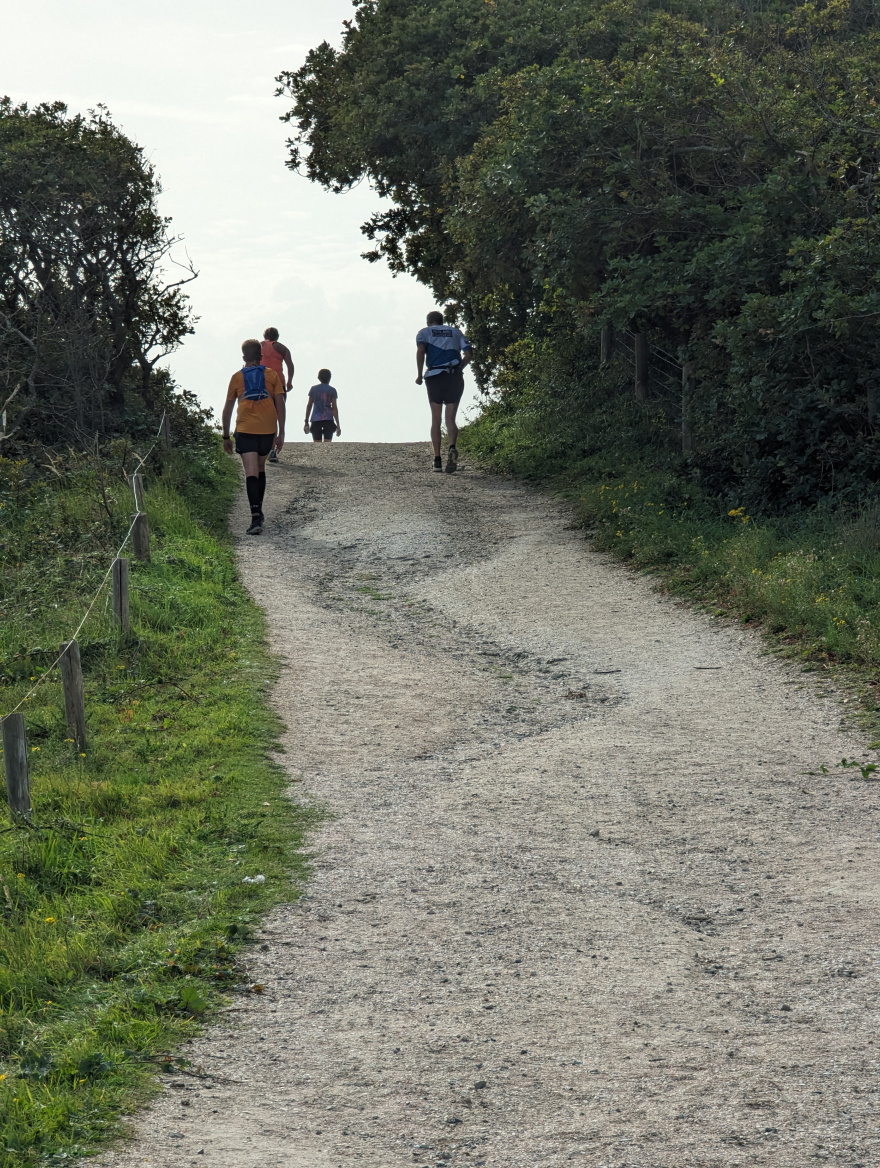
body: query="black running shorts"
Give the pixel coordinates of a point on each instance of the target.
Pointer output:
(253, 443)
(445, 388)
(324, 430)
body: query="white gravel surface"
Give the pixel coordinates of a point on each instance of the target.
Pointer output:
(575, 900)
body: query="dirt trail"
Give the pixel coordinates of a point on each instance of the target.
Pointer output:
(577, 900)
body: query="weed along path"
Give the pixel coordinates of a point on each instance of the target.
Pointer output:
(575, 899)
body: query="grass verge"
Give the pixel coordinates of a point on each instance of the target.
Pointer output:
(122, 907)
(811, 581)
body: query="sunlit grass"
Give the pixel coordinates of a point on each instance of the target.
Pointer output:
(122, 907)
(814, 577)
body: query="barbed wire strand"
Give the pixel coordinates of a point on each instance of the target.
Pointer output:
(94, 601)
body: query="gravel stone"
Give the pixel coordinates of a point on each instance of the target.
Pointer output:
(585, 867)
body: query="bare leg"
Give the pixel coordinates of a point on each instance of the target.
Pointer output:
(253, 463)
(451, 424)
(436, 416)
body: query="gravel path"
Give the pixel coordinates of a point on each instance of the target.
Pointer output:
(577, 899)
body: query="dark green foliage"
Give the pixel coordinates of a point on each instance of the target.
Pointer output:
(706, 171)
(86, 310)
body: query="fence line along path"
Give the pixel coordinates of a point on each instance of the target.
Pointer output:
(137, 485)
(13, 723)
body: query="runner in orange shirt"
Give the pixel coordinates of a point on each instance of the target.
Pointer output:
(275, 356)
(258, 393)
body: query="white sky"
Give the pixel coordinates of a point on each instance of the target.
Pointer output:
(193, 82)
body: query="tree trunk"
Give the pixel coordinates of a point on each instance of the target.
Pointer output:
(607, 344)
(641, 352)
(687, 394)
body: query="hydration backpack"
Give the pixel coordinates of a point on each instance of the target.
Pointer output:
(255, 383)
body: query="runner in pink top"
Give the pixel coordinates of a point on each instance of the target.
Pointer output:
(275, 356)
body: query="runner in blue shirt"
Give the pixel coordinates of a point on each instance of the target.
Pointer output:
(325, 418)
(446, 352)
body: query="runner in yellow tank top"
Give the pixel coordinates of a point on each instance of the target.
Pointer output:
(275, 356)
(258, 394)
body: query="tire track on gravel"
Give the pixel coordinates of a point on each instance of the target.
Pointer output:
(559, 914)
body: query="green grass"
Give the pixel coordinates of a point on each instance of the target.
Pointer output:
(810, 580)
(123, 907)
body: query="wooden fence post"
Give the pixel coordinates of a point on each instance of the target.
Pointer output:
(120, 593)
(641, 356)
(687, 393)
(74, 697)
(15, 756)
(137, 489)
(607, 343)
(140, 537)
(165, 432)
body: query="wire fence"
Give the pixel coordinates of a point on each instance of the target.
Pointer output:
(161, 433)
(661, 383)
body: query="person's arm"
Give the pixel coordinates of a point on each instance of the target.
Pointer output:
(226, 420)
(288, 361)
(466, 352)
(281, 411)
(335, 410)
(309, 405)
(421, 350)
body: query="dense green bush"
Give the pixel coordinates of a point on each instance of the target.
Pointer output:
(704, 171)
(87, 308)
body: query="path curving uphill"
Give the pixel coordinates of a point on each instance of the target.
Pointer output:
(576, 899)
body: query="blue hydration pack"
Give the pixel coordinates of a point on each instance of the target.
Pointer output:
(255, 382)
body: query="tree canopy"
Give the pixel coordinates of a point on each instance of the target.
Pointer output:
(706, 170)
(86, 306)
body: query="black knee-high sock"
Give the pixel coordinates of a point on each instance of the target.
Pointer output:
(252, 484)
(262, 487)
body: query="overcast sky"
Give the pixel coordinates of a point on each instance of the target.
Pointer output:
(192, 82)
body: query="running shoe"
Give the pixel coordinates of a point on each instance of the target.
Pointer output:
(273, 455)
(256, 527)
(452, 460)
(438, 465)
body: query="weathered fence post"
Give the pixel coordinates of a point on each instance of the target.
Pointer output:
(641, 356)
(137, 489)
(15, 756)
(74, 697)
(607, 343)
(687, 393)
(120, 593)
(165, 431)
(140, 536)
